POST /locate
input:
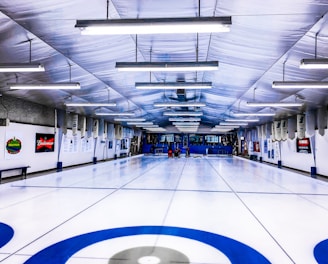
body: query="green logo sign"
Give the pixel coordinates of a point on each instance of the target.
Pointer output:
(13, 146)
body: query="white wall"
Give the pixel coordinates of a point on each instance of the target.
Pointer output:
(300, 161)
(321, 145)
(72, 151)
(27, 155)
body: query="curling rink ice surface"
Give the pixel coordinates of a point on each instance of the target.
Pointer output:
(155, 210)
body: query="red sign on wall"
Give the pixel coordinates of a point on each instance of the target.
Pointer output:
(44, 142)
(303, 145)
(256, 146)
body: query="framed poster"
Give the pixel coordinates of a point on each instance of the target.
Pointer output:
(303, 145)
(256, 146)
(44, 142)
(14, 144)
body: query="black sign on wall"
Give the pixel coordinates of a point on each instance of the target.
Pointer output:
(44, 142)
(303, 145)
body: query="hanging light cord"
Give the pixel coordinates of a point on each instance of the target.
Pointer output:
(107, 15)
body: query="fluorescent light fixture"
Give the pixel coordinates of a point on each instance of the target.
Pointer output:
(254, 114)
(155, 129)
(232, 126)
(21, 67)
(190, 130)
(234, 123)
(45, 86)
(154, 26)
(180, 104)
(183, 113)
(185, 123)
(314, 64)
(147, 126)
(129, 119)
(187, 127)
(90, 104)
(300, 85)
(273, 104)
(167, 66)
(184, 119)
(115, 114)
(174, 85)
(223, 130)
(242, 120)
(139, 123)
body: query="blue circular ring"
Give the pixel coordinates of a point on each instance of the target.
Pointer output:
(235, 251)
(6, 234)
(321, 252)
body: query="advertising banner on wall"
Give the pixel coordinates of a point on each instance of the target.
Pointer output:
(303, 145)
(256, 146)
(301, 126)
(284, 132)
(276, 148)
(13, 144)
(83, 126)
(273, 136)
(44, 142)
(95, 128)
(310, 122)
(75, 122)
(277, 130)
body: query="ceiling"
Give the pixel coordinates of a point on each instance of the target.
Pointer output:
(266, 42)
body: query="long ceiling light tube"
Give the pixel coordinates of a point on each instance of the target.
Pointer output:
(114, 114)
(91, 104)
(232, 126)
(183, 113)
(242, 120)
(314, 64)
(186, 124)
(214, 129)
(139, 123)
(185, 130)
(155, 129)
(167, 66)
(174, 85)
(254, 114)
(180, 104)
(147, 126)
(300, 85)
(187, 127)
(21, 67)
(184, 119)
(273, 104)
(234, 123)
(129, 119)
(154, 26)
(45, 86)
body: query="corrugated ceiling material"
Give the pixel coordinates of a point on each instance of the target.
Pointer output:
(266, 43)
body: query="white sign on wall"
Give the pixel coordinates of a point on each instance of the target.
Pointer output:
(284, 127)
(301, 126)
(277, 130)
